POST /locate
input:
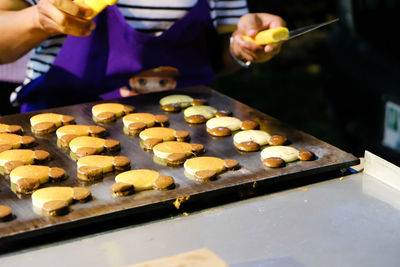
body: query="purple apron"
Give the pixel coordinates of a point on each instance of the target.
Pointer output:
(87, 67)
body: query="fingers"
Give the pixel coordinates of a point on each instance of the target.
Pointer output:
(250, 24)
(64, 16)
(72, 8)
(244, 50)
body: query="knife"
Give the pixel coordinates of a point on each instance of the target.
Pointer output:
(279, 34)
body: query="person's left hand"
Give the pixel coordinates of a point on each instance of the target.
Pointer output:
(250, 24)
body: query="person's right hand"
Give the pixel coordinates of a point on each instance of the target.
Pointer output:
(63, 17)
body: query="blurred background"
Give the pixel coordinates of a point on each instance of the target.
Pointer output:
(333, 83)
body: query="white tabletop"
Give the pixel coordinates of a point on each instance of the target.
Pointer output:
(350, 221)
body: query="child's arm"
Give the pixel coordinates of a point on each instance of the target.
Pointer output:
(23, 28)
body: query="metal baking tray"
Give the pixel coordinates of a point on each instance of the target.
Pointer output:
(104, 206)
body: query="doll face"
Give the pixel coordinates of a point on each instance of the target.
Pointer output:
(151, 83)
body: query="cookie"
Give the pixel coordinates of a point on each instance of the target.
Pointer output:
(287, 153)
(182, 100)
(273, 162)
(88, 166)
(48, 122)
(164, 182)
(277, 140)
(220, 131)
(223, 113)
(87, 145)
(250, 140)
(137, 122)
(142, 179)
(199, 102)
(6, 213)
(210, 164)
(171, 108)
(108, 112)
(122, 189)
(231, 123)
(15, 140)
(15, 129)
(150, 143)
(81, 194)
(249, 125)
(206, 112)
(195, 119)
(173, 152)
(46, 194)
(10, 159)
(231, 164)
(66, 133)
(27, 178)
(55, 208)
(306, 155)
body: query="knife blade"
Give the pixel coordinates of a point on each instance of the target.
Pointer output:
(279, 34)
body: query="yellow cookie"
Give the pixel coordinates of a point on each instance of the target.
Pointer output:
(30, 171)
(87, 141)
(231, 123)
(194, 165)
(257, 136)
(182, 100)
(106, 163)
(26, 156)
(110, 111)
(141, 179)
(80, 130)
(15, 140)
(15, 129)
(26, 178)
(43, 195)
(206, 111)
(287, 153)
(147, 118)
(49, 122)
(166, 134)
(165, 149)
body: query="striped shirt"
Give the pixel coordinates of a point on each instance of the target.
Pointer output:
(151, 16)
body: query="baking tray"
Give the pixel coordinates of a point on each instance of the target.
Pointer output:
(103, 206)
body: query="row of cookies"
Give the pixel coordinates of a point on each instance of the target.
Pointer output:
(248, 137)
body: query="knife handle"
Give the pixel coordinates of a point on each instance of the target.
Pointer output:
(96, 5)
(269, 36)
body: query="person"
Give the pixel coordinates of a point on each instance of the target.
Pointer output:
(79, 60)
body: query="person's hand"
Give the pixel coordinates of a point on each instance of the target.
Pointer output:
(63, 17)
(250, 24)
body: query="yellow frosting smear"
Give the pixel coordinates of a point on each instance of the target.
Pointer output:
(141, 179)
